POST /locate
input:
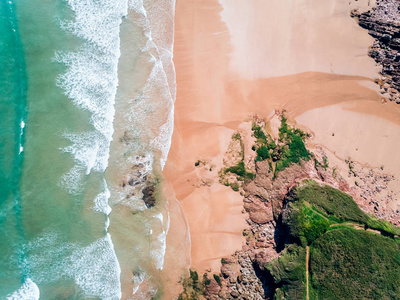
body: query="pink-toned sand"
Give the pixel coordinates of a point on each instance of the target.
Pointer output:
(244, 57)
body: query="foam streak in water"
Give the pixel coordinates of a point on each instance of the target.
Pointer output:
(28, 291)
(91, 80)
(94, 268)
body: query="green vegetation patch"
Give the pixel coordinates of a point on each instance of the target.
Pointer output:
(240, 170)
(339, 207)
(288, 150)
(259, 134)
(217, 279)
(193, 288)
(304, 223)
(288, 272)
(263, 153)
(335, 204)
(354, 264)
(346, 260)
(294, 149)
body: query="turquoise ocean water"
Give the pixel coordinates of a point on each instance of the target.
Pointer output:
(86, 103)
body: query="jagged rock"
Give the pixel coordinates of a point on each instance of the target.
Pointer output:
(257, 188)
(260, 217)
(240, 278)
(223, 294)
(234, 294)
(259, 212)
(262, 168)
(226, 270)
(213, 288)
(344, 186)
(149, 196)
(262, 244)
(383, 23)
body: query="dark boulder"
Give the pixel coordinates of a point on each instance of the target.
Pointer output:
(149, 196)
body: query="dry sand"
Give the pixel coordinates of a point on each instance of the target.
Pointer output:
(228, 58)
(281, 37)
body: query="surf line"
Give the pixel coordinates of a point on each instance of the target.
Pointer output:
(90, 82)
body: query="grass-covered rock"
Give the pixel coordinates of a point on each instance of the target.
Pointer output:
(240, 170)
(289, 274)
(354, 264)
(303, 223)
(335, 204)
(289, 149)
(347, 261)
(338, 207)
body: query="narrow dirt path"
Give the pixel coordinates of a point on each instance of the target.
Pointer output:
(356, 226)
(307, 263)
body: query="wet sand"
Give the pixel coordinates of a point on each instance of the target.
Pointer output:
(243, 58)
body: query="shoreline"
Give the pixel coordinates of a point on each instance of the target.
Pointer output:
(214, 98)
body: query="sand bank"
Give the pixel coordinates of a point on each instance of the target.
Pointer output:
(228, 69)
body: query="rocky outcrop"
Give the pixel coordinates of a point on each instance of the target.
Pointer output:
(140, 182)
(383, 23)
(244, 274)
(149, 196)
(253, 272)
(259, 212)
(271, 191)
(243, 280)
(212, 289)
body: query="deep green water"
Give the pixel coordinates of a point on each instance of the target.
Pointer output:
(13, 86)
(47, 219)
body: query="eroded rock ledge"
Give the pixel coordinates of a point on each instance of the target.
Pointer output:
(383, 23)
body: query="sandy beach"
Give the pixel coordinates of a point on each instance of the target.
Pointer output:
(306, 57)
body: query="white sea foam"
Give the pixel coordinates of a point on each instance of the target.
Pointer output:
(91, 80)
(149, 118)
(163, 140)
(90, 149)
(73, 180)
(97, 21)
(22, 126)
(101, 203)
(161, 22)
(161, 15)
(159, 243)
(159, 247)
(94, 268)
(157, 23)
(137, 280)
(101, 200)
(28, 291)
(154, 118)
